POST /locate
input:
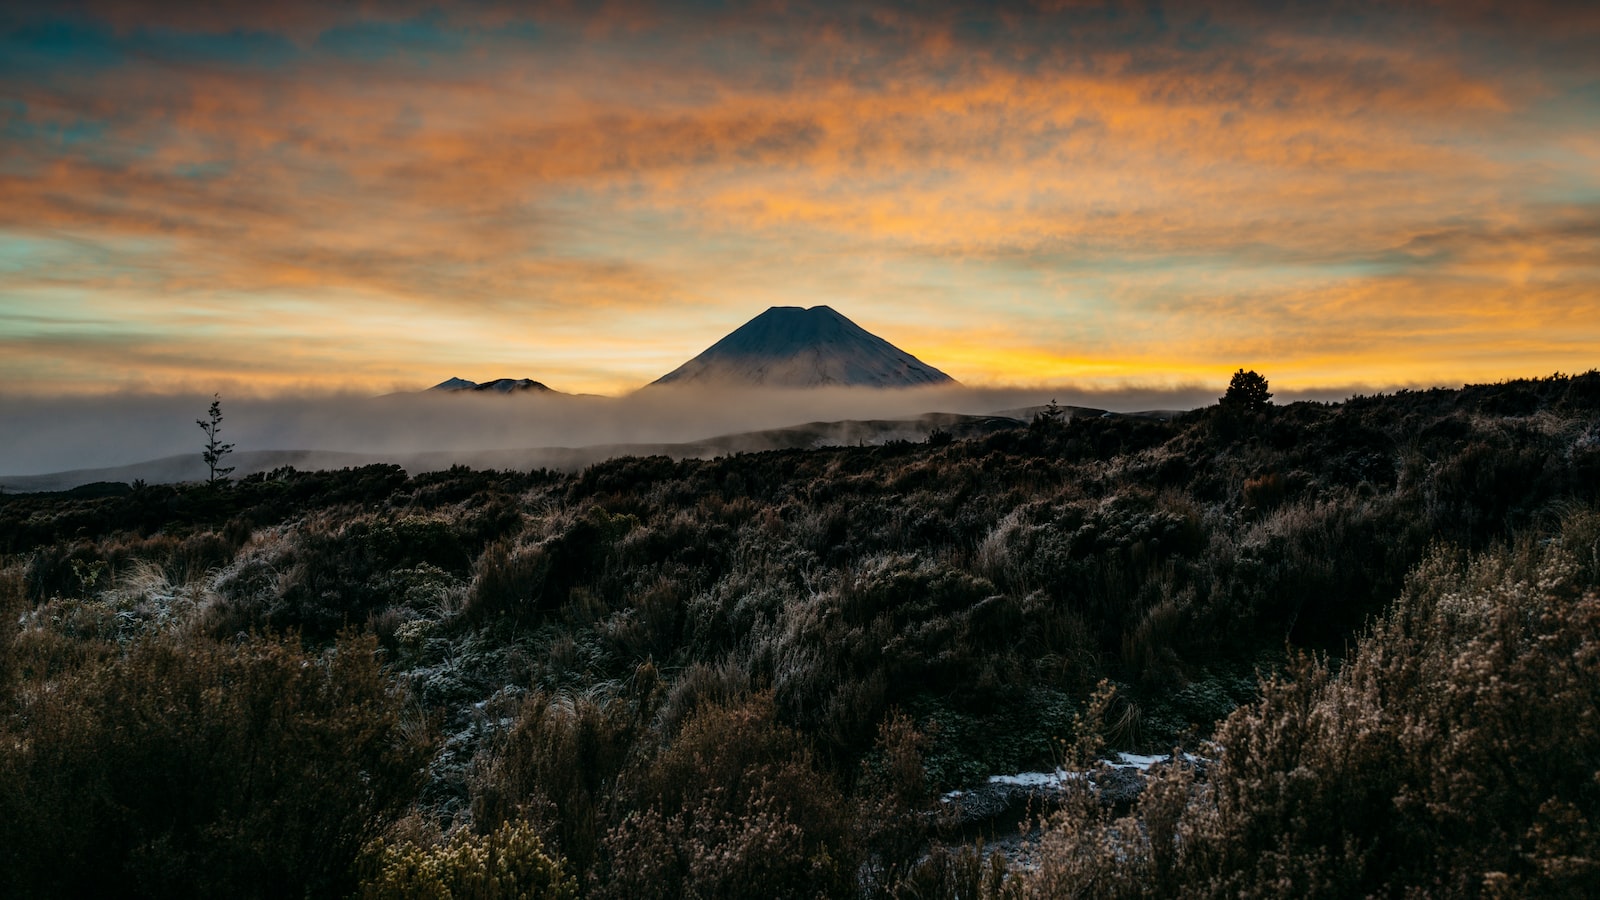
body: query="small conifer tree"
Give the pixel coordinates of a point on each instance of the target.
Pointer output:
(215, 450)
(1051, 418)
(1247, 391)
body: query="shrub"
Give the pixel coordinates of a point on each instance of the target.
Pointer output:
(1264, 492)
(734, 808)
(507, 581)
(189, 768)
(339, 576)
(508, 864)
(1453, 755)
(557, 767)
(12, 602)
(895, 809)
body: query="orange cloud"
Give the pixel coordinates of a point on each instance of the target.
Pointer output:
(1112, 205)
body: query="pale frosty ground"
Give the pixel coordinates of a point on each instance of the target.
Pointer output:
(1059, 777)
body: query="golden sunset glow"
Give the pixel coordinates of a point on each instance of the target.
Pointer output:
(297, 198)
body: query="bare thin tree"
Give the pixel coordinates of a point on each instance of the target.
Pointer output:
(215, 449)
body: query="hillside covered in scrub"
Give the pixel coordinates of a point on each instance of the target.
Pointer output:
(756, 675)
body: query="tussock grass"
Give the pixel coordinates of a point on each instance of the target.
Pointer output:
(755, 673)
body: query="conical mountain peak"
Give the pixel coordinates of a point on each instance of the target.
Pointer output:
(794, 347)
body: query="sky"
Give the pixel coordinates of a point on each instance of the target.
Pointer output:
(295, 197)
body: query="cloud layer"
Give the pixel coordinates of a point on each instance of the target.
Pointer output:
(57, 434)
(296, 196)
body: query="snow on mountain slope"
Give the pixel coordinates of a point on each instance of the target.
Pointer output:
(791, 347)
(498, 386)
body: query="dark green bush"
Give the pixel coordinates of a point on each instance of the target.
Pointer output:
(190, 768)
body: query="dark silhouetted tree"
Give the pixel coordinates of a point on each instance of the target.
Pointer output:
(1247, 391)
(1051, 418)
(215, 450)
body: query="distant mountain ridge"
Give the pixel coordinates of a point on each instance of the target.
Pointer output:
(190, 467)
(497, 386)
(792, 347)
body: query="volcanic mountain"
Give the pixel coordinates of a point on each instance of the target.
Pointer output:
(497, 386)
(791, 347)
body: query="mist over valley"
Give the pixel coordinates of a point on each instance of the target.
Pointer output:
(784, 369)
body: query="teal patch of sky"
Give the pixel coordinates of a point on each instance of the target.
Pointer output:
(412, 40)
(525, 30)
(1247, 266)
(58, 44)
(202, 171)
(1271, 265)
(1581, 196)
(1080, 258)
(233, 49)
(1575, 107)
(585, 232)
(50, 134)
(1272, 262)
(1109, 27)
(31, 257)
(52, 312)
(25, 253)
(739, 61)
(1205, 33)
(76, 48)
(997, 282)
(28, 256)
(196, 322)
(1379, 265)
(1536, 138)
(34, 141)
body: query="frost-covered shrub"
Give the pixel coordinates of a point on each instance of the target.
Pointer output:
(521, 582)
(1454, 755)
(338, 576)
(557, 767)
(735, 807)
(507, 582)
(140, 602)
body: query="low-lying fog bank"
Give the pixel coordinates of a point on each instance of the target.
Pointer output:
(57, 435)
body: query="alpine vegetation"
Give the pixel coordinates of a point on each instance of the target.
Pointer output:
(1253, 650)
